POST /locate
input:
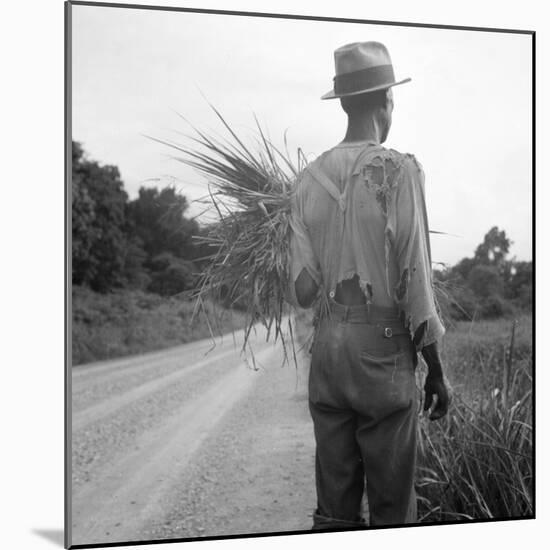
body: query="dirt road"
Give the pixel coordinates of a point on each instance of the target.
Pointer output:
(189, 442)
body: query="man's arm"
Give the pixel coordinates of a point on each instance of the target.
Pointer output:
(305, 276)
(306, 289)
(409, 223)
(435, 382)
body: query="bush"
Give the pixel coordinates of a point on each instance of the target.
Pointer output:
(495, 306)
(485, 280)
(127, 322)
(171, 275)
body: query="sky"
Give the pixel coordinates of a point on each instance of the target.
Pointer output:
(466, 114)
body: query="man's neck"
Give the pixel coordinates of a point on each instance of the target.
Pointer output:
(364, 128)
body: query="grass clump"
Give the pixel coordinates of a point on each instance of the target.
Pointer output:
(477, 462)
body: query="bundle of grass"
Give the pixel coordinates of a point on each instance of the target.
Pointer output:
(249, 191)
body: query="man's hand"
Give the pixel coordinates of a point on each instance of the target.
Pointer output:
(435, 385)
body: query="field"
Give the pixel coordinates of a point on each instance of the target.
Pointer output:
(477, 461)
(127, 322)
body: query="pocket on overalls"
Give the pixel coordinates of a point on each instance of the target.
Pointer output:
(388, 382)
(329, 364)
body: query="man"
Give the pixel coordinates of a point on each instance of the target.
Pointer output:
(360, 248)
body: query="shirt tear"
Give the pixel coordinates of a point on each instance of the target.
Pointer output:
(403, 286)
(382, 237)
(380, 175)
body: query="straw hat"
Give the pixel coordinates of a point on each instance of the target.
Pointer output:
(362, 67)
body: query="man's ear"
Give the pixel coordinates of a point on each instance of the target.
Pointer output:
(389, 98)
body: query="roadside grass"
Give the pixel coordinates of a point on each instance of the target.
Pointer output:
(477, 461)
(128, 322)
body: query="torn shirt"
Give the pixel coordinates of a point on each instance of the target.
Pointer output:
(359, 209)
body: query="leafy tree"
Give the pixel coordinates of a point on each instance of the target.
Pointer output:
(143, 243)
(171, 275)
(485, 281)
(521, 284)
(462, 269)
(494, 248)
(84, 233)
(488, 284)
(157, 219)
(135, 274)
(99, 239)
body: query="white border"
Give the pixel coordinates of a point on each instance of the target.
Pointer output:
(31, 221)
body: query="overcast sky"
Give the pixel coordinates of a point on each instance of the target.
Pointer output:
(466, 115)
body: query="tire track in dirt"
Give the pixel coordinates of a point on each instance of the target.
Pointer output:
(127, 492)
(97, 381)
(111, 405)
(254, 472)
(101, 439)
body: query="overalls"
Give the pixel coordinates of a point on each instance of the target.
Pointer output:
(363, 402)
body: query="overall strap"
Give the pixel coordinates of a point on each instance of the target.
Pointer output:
(341, 198)
(330, 186)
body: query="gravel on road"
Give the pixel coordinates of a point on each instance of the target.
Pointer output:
(182, 445)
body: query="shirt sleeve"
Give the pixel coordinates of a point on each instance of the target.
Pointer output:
(302, 255)
(409, 237)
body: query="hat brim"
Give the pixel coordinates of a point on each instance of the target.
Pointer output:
(332, 95)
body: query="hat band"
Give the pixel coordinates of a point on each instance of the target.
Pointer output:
(364, 79)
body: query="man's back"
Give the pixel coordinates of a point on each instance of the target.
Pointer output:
(364, 210)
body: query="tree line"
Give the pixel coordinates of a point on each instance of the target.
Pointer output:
(489, 284)
(148, 243)
(145, 243)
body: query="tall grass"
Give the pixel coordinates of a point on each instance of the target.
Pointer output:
(477, 461)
